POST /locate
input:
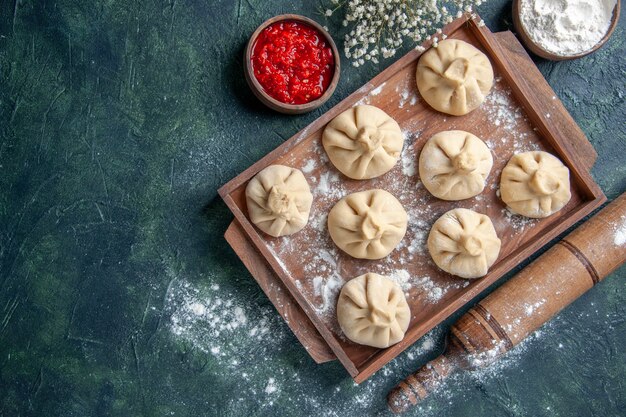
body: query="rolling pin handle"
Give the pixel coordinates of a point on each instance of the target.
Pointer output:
(419, 385)
(524, 303)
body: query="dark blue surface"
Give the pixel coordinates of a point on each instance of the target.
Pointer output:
(119, 121)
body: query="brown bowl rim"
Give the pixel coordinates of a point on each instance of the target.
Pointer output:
(271, 102)
(539, 51)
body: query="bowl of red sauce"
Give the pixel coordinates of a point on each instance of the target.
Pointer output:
(292, 64)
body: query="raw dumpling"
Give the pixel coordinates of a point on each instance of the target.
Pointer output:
(368, 224)
(464, 243)
(454, 165)
(372, 311)
(279, 200)
(454, 77)
(535, 184)
(363, 142)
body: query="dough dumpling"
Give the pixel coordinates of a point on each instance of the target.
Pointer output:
(368, 224)
(464, 243)
(454, 165)
(279, 200)
(363, 142)
(454, 77)
(535, 184)
(372, 311)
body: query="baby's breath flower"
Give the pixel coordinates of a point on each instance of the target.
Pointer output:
(380, 27)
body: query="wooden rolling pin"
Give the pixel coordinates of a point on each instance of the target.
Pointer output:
(524, 303)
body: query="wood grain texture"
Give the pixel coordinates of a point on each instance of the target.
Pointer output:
(278, 295)
(284, 302)
(532, 82)
(535, 129)
(524, 303)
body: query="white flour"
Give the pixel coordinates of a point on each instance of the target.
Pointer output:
(271, 386)
(566, 27)
(409, 164)
(309, 167)
(620, 234)
(319, 269)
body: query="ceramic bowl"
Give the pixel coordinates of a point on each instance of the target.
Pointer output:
(271, 102)
(539, 51)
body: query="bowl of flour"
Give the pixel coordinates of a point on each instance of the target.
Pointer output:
(565, 29)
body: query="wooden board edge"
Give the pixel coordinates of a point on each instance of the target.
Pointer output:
(592, 189)
(511, 46)
(515, 52)
(308, 309)
(573, 159)
(280, 297)
(522, 93)
(289, 145)
(381, 358)
(296, 139)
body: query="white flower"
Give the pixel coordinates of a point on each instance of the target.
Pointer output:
(379, 27)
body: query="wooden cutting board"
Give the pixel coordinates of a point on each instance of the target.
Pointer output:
(546, 125)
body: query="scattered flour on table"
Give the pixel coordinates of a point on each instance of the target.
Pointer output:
(424, 345)
(255, 363)
(271, 386)
(241, 336)
(209, 319)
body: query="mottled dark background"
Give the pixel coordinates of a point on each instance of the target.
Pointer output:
(118, 295)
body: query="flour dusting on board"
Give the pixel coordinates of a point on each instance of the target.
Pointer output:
(309, 167)
(319, 269)
(518, 222)
(501, 109)
(377, 90)
(407, 94)
(212, 320)
(373, 93)
(409, 163)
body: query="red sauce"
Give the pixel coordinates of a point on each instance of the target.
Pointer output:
(293, 62)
